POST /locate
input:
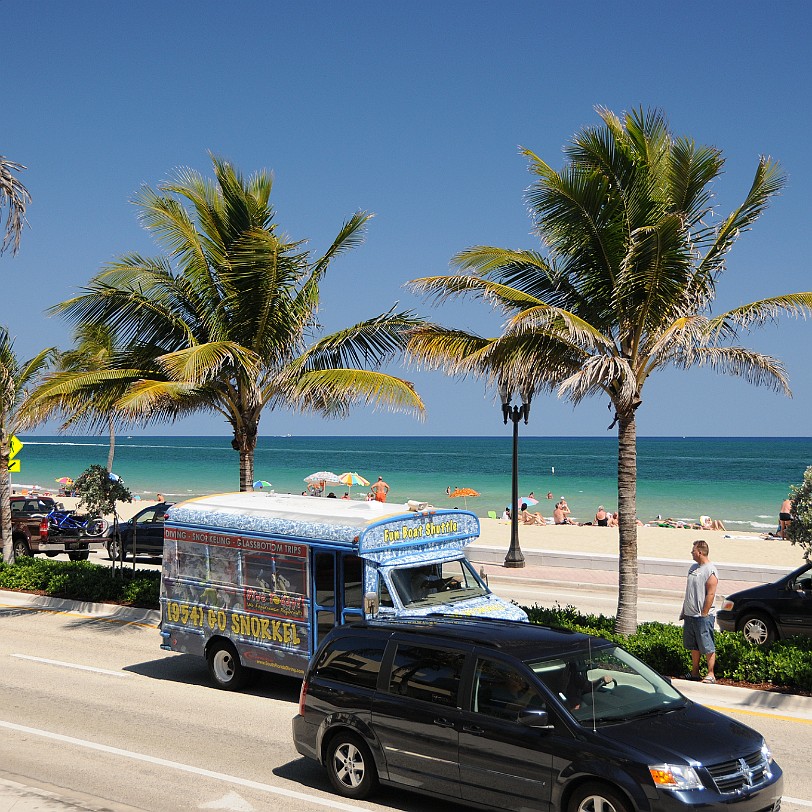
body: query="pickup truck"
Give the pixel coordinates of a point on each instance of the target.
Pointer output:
(32, 533)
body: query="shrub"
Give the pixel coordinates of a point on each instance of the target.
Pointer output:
(82, 581)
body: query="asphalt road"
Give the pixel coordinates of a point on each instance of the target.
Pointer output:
(97, 714)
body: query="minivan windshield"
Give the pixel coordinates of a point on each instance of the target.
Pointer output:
(437, 583)
(606, 684)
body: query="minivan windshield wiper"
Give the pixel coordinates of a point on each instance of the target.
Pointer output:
(642, 715)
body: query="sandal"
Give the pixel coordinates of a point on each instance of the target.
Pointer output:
(709, 680)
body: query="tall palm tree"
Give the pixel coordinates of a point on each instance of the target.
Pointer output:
(634, 252)
(16, 377)
(226, 319)
(14, 197)
(85, 386)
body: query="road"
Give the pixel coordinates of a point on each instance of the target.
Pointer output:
(95, 712)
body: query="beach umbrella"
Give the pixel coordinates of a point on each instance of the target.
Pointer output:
(351, 478)
(323, 476)
(65, 480)
(528, 500)
(464, 493)
(262, 483)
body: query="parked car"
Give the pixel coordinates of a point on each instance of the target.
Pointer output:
(515, 716)
(771, 611)
(141, 535)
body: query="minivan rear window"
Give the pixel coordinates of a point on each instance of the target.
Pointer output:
(430, 674)
(352, 660)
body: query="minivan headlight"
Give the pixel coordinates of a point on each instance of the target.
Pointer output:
(727, 605)
(674, 776)
(766, 753)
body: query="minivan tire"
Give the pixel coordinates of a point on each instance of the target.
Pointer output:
(595, 796)
(350, 766)
(113, 548)
(757, 629)
(225, 667)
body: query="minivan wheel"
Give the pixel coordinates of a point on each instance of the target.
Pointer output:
(113, 547)
(757, 629)
(225, 667)
(597, 797)
(350, 766)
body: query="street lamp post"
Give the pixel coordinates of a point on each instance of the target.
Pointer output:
(514, 557)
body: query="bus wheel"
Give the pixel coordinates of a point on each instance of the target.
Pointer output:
(225, 667)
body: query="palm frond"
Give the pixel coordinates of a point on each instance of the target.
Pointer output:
(201, 363)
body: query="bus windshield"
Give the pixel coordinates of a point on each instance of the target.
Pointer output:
(443, 583)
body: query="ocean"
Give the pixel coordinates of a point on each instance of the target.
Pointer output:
(741, 480)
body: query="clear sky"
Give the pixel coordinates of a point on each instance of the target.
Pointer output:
(414, 111)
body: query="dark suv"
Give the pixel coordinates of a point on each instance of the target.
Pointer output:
(506, 715)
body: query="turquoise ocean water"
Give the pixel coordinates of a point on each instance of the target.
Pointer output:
(740, 480)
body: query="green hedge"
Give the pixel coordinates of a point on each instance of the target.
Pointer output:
(785, 663)
(82, 581)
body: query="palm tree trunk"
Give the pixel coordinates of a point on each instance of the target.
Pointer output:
(112, 450)
(245, 441)
(626, 618)
(5, 499)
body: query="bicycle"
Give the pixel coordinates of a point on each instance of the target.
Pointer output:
(67, 521)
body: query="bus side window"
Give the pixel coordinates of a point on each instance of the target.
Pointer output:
(383, 593)
(353, 582)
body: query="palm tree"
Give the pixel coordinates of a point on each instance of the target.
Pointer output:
(85, 386)
(15, 379)
(634, 254)
(15, 197)
(221, 322)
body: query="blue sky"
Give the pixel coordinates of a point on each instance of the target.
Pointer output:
(414, 111)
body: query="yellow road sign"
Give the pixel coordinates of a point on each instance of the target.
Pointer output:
(15, 446)
(14, 466)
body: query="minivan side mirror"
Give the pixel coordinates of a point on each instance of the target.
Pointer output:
(535, 718)
(371, 603)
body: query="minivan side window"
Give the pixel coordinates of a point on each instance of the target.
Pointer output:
(502, 691)
(352, 660)
(430, 674)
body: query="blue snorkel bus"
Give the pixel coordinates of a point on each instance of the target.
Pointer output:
(256, 580)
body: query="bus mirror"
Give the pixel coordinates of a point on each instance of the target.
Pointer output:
(371, 603)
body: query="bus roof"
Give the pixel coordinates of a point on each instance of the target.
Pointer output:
(337, 520)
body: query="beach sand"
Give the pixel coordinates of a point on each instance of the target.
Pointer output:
(652, 542)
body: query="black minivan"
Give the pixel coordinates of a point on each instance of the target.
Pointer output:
(515, 716)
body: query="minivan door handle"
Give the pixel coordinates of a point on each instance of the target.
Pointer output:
(440, 722)
(473, 729)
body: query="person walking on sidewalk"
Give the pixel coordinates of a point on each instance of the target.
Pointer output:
(697, 614)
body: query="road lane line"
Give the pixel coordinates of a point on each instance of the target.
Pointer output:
(187, 768)
(72, 665)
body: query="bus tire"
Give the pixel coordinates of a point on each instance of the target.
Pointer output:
(225, 667)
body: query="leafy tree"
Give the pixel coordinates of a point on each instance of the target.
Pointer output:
(99, 490)
(625, 287)
(224, 319)
(14, 198)
(16, 378)
(800, 528)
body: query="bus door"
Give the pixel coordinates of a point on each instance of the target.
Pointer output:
(337, 589)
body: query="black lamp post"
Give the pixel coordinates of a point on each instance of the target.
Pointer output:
(514, 557)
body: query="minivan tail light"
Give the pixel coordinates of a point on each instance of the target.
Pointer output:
(43, 529)
(302, 698)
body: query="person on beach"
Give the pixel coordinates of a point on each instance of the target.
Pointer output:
(697, 611)
(561, 513)
(506, 514)
(785, 517)
(380, 489)
(601, 517)
(530, 518)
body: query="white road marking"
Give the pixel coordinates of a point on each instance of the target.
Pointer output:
(72, 665)
(232, 801)
(186, 768)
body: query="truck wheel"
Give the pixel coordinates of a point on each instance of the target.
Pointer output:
(225, 667)
(757, 629)
(79, 555)
(21, 548)
(597, 797)
(350, 766)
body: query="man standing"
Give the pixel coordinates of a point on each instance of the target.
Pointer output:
(785, 517)
(700, 592)
(379, 490)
